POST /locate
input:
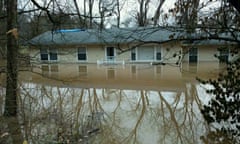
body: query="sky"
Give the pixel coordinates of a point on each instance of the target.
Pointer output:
(128, 11)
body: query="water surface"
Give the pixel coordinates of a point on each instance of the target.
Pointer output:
(140, 104)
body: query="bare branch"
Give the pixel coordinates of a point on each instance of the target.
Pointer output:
(236, 4)
(44, 9)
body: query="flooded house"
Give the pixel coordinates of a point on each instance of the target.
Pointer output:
(126, 45)
(126, 57)
(130, 53)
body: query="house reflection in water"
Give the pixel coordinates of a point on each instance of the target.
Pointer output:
(110, 73)
(116, 104)
(128, 76)
(83, 71)
(50, 70)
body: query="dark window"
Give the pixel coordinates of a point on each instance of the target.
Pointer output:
(44, 54)
(82, 57)
(50, 54)
(193, 59)
(193, 54)
(110, 52)
(224, 54)
(133, 54)
(82, 53)
(53, 54)
(158, 55)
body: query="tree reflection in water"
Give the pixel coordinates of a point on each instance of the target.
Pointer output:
(94, 115)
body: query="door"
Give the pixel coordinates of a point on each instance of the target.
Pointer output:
(145, 53)
(110, 53)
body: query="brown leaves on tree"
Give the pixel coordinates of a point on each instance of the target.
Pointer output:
(14, 32)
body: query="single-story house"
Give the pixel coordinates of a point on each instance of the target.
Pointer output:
(125, 45)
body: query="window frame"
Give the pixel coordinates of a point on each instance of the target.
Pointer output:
(158, 53)
(82, 53)
(48, 54)
(44, 54)
(193, 55)
(53, 54)
(133, 54)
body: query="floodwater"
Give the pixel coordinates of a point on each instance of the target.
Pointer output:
(117, 104)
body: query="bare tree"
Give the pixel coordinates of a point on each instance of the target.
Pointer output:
(78, 13)
(106, 9)
(235, 4)
(157, 12)
(2, 33)
(118, 13)
(102, 10)
(90, 7)
(187, 13)
(141, 16)
(12, 55)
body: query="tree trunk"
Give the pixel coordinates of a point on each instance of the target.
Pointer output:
(102, 10)
(157, 13)
(91, 13)
(118, 14)
(142, 14)
(12, 54)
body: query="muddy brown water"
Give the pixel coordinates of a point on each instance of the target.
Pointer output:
(102, 104)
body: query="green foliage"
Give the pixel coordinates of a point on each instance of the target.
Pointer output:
(223, 110)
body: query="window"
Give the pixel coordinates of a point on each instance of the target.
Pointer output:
(159, 56)
(133, 54)
(110, 53)
(82, 53)
(48, 54)
(158, 53)
(44, 54)
(193, 53)
(53, 54)
(224, 54)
